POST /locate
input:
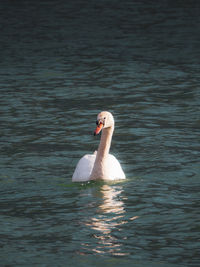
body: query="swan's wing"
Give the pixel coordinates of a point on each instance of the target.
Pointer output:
(84, 168)
(115, 168)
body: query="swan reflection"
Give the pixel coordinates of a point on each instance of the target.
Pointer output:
(109, 217)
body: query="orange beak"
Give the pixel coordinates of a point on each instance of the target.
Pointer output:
(98, 129)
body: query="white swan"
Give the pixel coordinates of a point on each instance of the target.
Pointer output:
(101, 165)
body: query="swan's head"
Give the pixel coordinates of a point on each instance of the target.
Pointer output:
(104, 120)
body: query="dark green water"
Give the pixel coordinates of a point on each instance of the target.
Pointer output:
(61, 64)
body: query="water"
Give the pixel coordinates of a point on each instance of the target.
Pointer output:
(61, 64)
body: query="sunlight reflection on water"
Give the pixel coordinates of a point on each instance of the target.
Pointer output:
(111, 215)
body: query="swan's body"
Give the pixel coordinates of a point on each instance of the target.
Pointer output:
(100, 165)
(85, 166)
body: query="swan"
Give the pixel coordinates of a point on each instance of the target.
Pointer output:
(100, 165)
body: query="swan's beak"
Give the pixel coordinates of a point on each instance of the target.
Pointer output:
(98, 129)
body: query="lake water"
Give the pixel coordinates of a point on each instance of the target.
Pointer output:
(61, 64)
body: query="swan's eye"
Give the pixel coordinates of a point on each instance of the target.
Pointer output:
(97, 123)
(104, 118)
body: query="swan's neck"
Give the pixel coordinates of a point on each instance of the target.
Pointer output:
(104, 146)
(98, 171)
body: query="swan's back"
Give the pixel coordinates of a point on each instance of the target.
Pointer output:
(84, 168)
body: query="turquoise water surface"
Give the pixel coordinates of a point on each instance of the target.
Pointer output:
(61, 64)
